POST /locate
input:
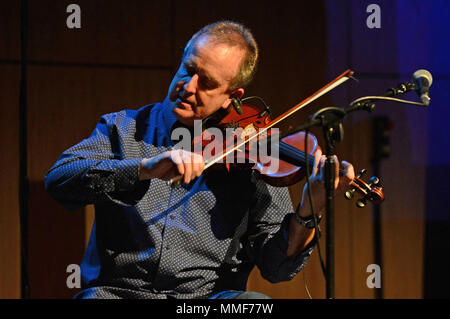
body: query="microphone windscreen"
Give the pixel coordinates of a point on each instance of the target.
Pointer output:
(423, 74)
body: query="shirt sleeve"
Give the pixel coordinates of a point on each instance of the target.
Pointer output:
(271, 213)
(92, 172)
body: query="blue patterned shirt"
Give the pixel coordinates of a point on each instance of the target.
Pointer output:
(153, 241)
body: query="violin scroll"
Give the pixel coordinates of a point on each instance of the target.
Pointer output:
(370, 191)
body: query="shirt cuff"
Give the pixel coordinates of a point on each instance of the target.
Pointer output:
(285, 230)
(128, 189)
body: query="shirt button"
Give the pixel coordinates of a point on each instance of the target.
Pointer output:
(167, 247)
(172, 216)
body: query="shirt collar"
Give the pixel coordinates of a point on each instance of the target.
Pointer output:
(168, 117)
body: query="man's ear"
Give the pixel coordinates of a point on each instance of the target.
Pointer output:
(236, 94)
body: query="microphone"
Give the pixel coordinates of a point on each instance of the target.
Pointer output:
(422, 80)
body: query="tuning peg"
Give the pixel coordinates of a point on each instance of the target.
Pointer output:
(361, 173)
(360, 203)
(350, 193)
(374, 181)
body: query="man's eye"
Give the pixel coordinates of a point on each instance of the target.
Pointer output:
(190, 70)
(207, 84)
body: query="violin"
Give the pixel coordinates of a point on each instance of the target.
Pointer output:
(249, 127)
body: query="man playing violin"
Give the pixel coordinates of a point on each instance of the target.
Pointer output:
(200, 240)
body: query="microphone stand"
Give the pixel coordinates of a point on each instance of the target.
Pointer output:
(329, 119)
(333, 132)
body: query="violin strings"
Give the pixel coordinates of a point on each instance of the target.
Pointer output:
(298, 153)
(289, 149)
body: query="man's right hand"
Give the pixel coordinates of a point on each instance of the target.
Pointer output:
(171, 164)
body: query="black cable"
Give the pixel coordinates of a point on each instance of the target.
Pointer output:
(316, 226)
(266, 107)
(255, 97)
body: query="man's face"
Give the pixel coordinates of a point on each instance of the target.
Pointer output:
(201, 85)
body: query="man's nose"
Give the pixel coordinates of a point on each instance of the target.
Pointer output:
(191, 85)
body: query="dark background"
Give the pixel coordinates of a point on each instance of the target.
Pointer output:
(125, 55)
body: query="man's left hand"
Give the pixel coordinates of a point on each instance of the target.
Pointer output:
(318, 182)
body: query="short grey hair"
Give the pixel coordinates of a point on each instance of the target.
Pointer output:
(233, 34)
